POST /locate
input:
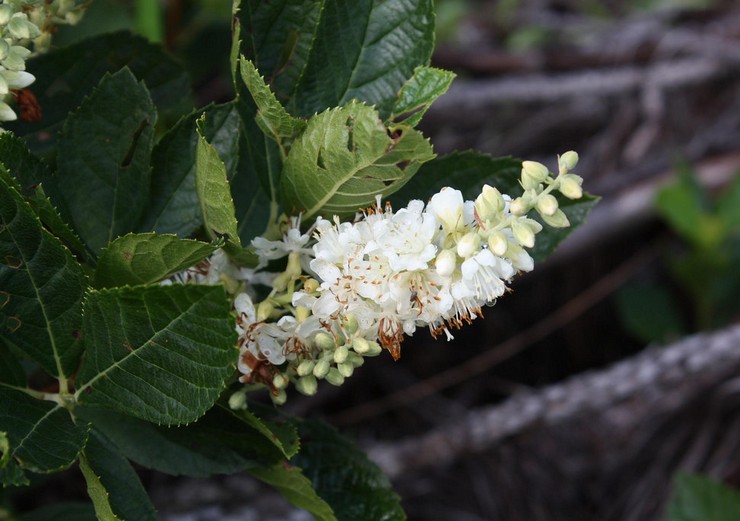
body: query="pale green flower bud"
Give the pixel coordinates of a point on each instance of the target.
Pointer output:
(346, 369)
(355, 359)
(570, 186)
(334, 377)
(546, 204)
(280, 381)
(489, 203)
(321, 368)
(3, 86)
(533, 174)
(522, 233)
(6, 11)
(280, 397)
(519, 206)
(374, 349)
(340, 355)
(264, 310)
(20, 28)
(324, 341)
(498, 243)
(238, 400)
(311, 285)
(6, 113)
(15, 60)
(294, 269)
(4, 48)
(445, 263)
(567, 161)
(280, 283)
(468, 245)
(350, 324)
(307, 385)
(305, 367)
(557, 220)
(302, 313)
(360, 345)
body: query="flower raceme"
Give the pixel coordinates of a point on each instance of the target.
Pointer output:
(351, 289)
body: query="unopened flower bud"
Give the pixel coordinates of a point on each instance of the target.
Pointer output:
(324, 341)
(489, 203)
(468, 245)
(238, 400)
(374, 349)
(557, 220)
(334, 377)
(294, 268)
(346, 369)
(547, 204)
(5, 13)
(307, 385)
(311, 285)
(519, 206)
(570, 186)
(567, 161)
(280, 381)
(349, 322)
(355, 359)
(340, 355)
(321, 368)
(498, 243)
(522, 233)
(533, 174)
(445, 263)
(305, 367)
(280, 397)
(264, 310)
(302, 313)
(360, 345)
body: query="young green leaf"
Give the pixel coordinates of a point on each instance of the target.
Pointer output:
(271, 116)
(159, 353)
(112, 484)
(297, 489)
(42, 435)
(345, 158)
(146, 258)
(214, 195)
(344, 477)
(418, 93)
(105, 165)
(42, 289)
(173, 206)
(699, 498)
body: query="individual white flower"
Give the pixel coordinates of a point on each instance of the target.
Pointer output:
(291, 241)
(447, 206)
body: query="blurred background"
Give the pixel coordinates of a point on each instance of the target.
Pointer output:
(581, 395)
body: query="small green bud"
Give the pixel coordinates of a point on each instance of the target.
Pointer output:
(557, 220)
(280, 397)
(321, 368)
(21, 28)
(546, 204)
(307, 385)
(302, 313)
(445, 263)
(6, 11)
(522, 233)
(305, 367)
(264, 310)
(340, 355)
(519, 206)
(238, 400)
(360, 345)
(355, 359)
(334, 377)
(567, 161)
(489, 203)
(311, 285)
(294, 269)
(280, 381)
(498, 243)
(374, 349)
(324, 341)
(349, 322)
(4, 48)
(533, 174)
(346, 369)
(570, 186)
(468, 245)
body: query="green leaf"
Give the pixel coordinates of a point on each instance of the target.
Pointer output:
(345, 158)
(146, 258)
(41, 434)
(214, 195)
(65, 76)
(416, 96)
(42, 289)
(112, 484)
(104, 172)
(282, 435)
(10, 472)
(220, 442)
(271, 116)
(698, 498)
(381, 44)
(159, 353)
(468, 171)
(66, 511)
(11, 371)
(650, 313)
(728, 206)
(297, 489)
(683, 206)
(344, 477)
(29, 172)
(173, 206)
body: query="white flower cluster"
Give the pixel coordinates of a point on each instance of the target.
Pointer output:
(24, 23)
(351, 289)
